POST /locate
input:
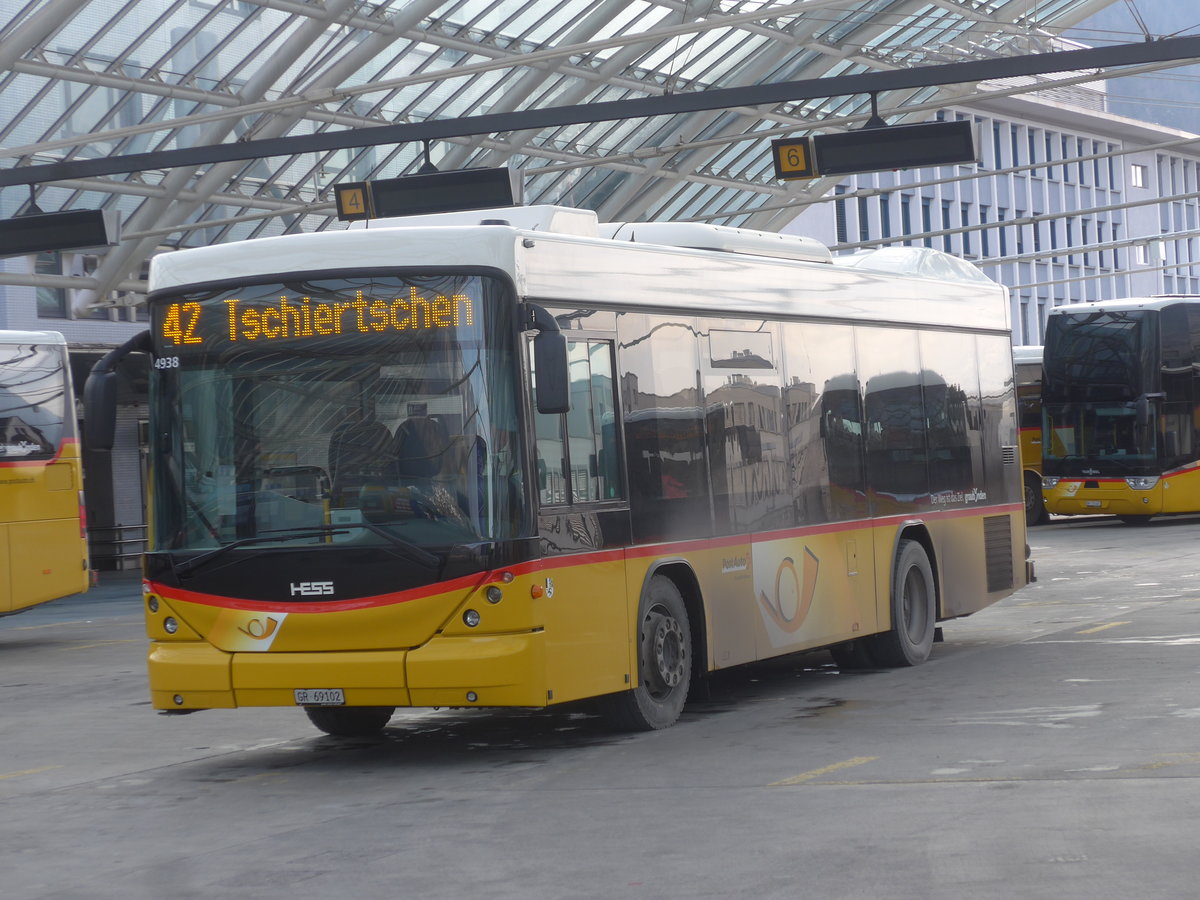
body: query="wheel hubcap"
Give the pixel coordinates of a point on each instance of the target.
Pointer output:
(666, 656)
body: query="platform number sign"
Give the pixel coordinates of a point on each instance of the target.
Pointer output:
(353, 201)
(793, 158)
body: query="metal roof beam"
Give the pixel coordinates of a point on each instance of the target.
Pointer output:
(1181, 48)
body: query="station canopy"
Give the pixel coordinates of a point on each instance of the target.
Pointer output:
(84, 79)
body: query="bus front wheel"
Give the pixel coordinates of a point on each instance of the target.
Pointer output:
(664, 662)
(350, 721)
(914, 610)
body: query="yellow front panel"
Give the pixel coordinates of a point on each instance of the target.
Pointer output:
(1181, 491)
(501, 670)
(587, 632)
(1074, 497)
(390, 626)
(197, 672)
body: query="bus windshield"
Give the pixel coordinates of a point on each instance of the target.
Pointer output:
(1097, 366)
(354, 411)
(1106, 435)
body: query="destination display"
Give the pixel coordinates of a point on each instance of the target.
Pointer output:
(240, 319)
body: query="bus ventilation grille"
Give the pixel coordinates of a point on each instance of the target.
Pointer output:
(997, 547)
(1009, 455)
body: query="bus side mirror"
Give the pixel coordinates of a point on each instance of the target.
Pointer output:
(100, 394)
(550, 363)
(99, 410)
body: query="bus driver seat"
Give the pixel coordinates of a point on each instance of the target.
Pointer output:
(425, 464)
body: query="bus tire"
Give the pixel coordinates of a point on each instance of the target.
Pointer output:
(664, 662)
(350, 721)
(1035, 506)
(853, 655)
(914, 610)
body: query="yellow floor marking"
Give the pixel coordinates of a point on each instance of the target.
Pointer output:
(28, 772)
(817, 773)
(1101, 628)
(103, 644)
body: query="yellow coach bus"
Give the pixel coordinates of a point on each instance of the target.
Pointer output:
(43, 539)
(1027, 364)
(446, 462)
(1120, 398)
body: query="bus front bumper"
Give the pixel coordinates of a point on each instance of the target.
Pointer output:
(1080, 497)
(477, 670)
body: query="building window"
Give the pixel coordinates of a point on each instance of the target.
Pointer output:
(1137, 175)
(51, 301)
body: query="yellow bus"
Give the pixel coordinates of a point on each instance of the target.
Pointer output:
(43, 535)
(1027, 364)
(446, 462)
(1122, 421)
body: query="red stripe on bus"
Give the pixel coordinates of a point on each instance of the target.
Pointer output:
(674, 548)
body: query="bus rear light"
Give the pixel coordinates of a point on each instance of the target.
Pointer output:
(1141, 482)
(82, 517)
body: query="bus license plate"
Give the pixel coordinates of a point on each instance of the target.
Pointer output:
(320, 697)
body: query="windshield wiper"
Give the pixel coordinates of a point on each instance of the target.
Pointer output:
(409, 549)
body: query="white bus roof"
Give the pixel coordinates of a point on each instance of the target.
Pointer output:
(31, 337)
(737, 273)
(1157, 301)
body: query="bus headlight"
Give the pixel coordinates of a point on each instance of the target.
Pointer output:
(1142, 482)
(1050, 481)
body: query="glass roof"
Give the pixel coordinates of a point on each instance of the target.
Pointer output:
(102, 78)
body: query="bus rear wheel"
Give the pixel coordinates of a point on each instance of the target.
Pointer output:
(1035, 506)
(914, 610)
(350, 721)
(664, 662)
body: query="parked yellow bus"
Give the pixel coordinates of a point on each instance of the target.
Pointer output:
(1027, 364)
(43, 537)
(537, 459)
(1121, 398)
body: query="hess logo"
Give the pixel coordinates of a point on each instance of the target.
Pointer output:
(311, 588)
